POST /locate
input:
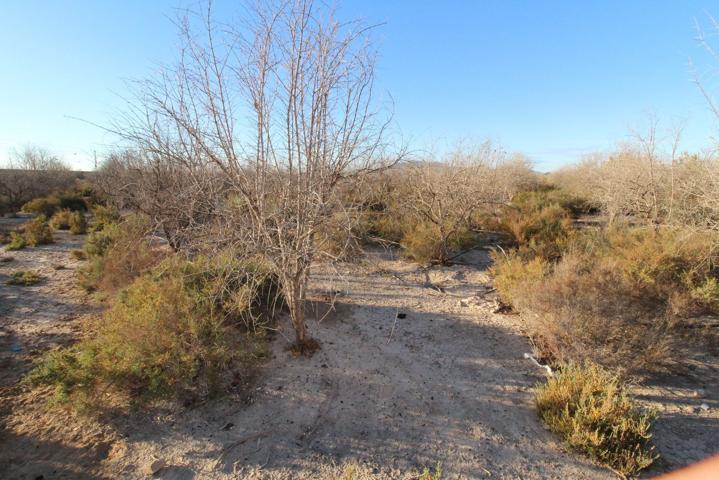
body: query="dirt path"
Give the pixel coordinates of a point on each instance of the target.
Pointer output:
(445, 383)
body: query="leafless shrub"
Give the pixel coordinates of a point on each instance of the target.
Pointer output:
(31, 173)
(178, 201)
(304, 80)
(445, 195)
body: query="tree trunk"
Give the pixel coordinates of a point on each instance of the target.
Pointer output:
(295, 302)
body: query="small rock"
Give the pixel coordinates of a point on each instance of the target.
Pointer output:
(698, 393)
(401, 315)
(324, 365)
(704, 407)
(157, 465)
(227, 426)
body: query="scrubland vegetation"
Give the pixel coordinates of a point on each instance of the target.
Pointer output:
(198, 250)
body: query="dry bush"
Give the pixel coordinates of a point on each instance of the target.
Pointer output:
(178, 199)
(538, 222)
(426, 242)
(61, 220)
(180, 331)
(592, 412)
(585, 312)
(118, 254)
(31, 173)
(614, 297)
(442, 198)
(37, 232)
(511, 270)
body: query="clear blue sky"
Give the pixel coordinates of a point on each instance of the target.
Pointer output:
(552, 79)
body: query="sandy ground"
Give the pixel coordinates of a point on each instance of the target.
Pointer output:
(445, 383)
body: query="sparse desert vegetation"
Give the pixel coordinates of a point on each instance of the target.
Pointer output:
(263, 279)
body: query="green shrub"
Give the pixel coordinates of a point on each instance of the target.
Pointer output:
(46, 206)
(55, 202)
(38, 232)
(426, 242)
(17, 242)
(72, 200)
(538, 199)
(181, 330)
(24, 277)
(677, 265)
(118, 254)
(61, 220)
(78, 223)
(103, 215)
(592, 412)
(511, 271)
(428, 474)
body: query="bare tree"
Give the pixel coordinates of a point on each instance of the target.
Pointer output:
(446, 194)
(178, 205)
(280, 111)
(30, 173)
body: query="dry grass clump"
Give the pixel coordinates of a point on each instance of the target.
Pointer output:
(355, 471)
(615, 297)
(590, 409)
(38, 232)
(182, 331)
(118, 254)
(24, 278)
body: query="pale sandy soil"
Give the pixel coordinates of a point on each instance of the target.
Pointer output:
(447, 383)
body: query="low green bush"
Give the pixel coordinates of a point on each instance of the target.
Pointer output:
(72, 200)
(591, 410)
(49, 205)
(103, 215)
(46, 206)
(187, 329)
(78, 223)
(16, 242)
(38, 232)
(24, 278)
(118, 254)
